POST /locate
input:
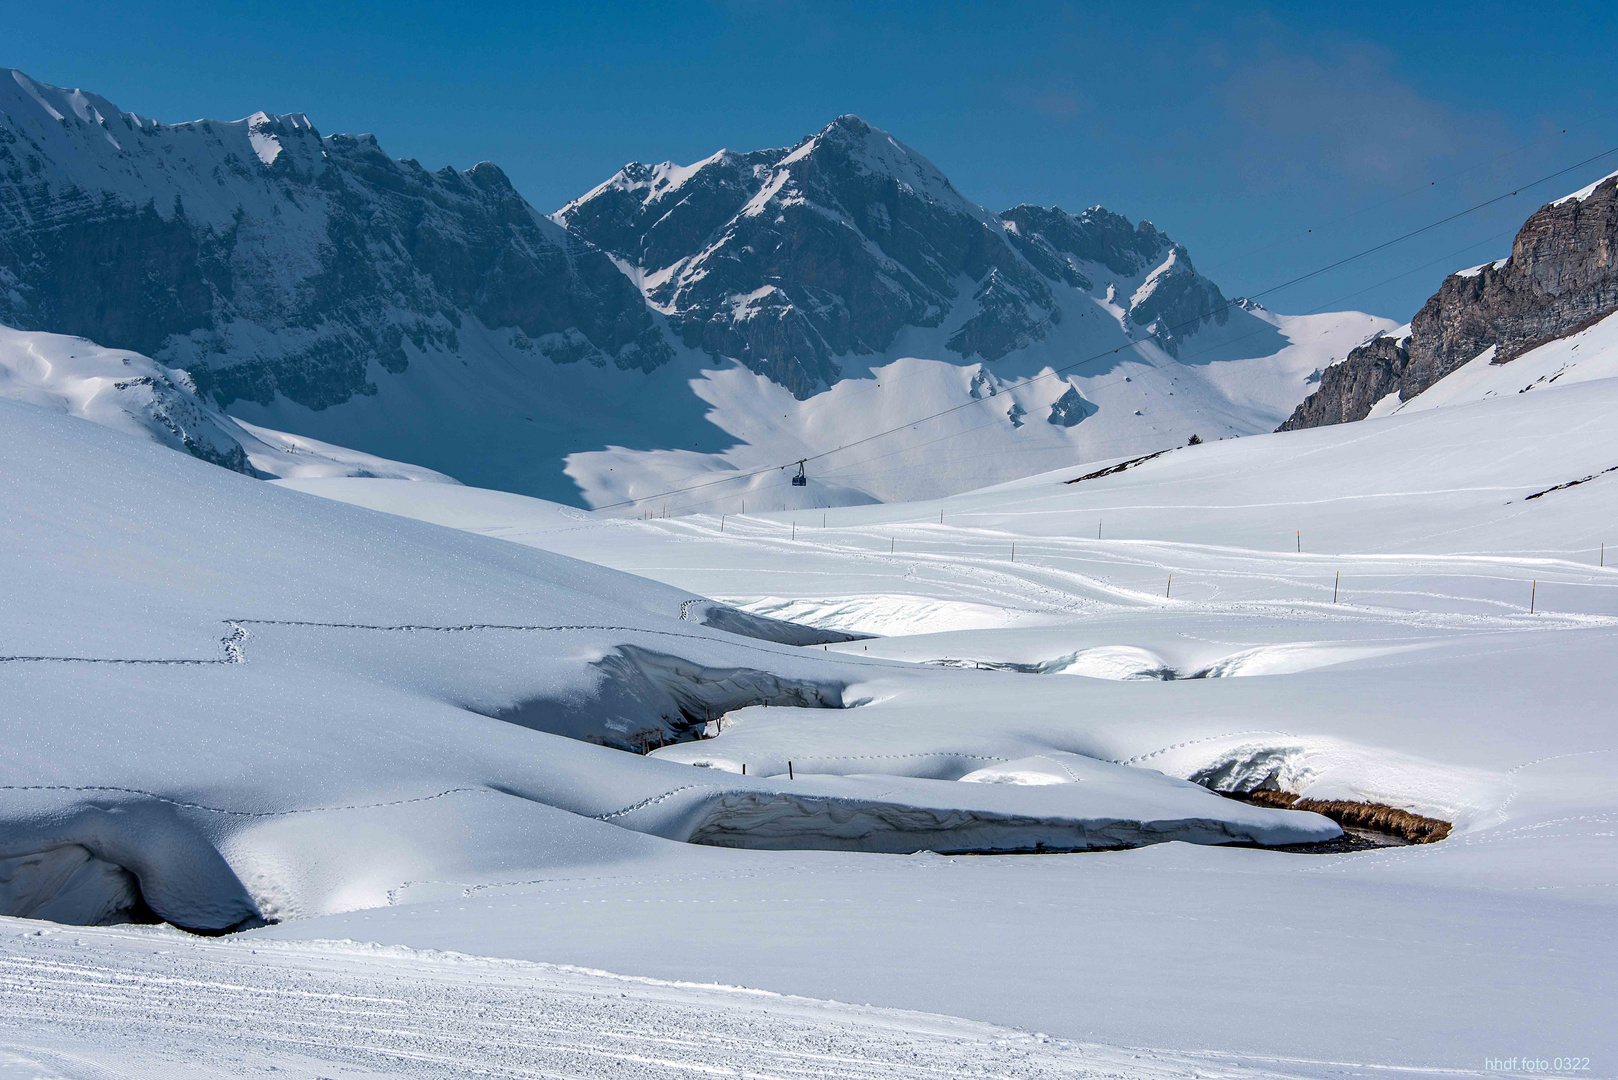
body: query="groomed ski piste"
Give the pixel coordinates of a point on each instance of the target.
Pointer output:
(438, 770)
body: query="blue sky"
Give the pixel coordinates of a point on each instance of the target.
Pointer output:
(1269, 139)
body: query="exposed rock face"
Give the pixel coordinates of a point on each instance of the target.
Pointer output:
(1561, 276)
(266, 259)
(1349, 389)
(1171, 301)
(788, 259)
(1070, 409)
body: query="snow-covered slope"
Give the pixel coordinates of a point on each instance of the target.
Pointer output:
(747, 310)
(1438, 644)
(1581, 357)
(134, 394)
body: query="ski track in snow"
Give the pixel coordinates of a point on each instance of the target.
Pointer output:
(1067, 591)
(100, 1004)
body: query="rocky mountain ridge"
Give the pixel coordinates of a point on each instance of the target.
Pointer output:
(267, 259)
(789, 259)
(1560, 278)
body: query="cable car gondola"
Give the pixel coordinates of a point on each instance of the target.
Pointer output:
(800, 480)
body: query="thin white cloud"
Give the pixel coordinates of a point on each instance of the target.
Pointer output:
(1343, 116)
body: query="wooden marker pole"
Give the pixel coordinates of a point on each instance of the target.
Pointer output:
(1334, 586)
(794, 530)
(1300, 541)
(721, 522)
(789, 771)
(1167, 587)
(1014, 551)
(1533, 597)
(890, 545)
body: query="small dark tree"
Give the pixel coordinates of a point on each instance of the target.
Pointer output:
(1195, 440)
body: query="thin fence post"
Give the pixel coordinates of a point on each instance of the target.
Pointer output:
(1334, 586)
(721, 522)
(789, 771)
(891, 542)
(1533, 597)
(1014, 551)
(1300, 541)
(1603, 553)
(794, 530)
(1167, 587)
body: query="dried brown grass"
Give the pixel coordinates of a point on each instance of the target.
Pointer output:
(1358, 815)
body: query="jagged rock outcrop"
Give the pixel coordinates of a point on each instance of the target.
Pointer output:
(1349, 389)
(1070, 409)
(1561, 277)
(267, 259)
(1172, 300)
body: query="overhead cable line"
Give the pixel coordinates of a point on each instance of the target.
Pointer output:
(1405, 194)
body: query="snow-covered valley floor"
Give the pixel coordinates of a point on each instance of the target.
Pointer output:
(94, 1003)
(82, 1002)
(368, 729)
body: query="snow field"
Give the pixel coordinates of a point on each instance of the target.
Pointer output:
(85, 1003)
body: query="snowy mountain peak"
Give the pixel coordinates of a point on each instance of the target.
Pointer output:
(649, 182)
(72, 144)
(856, 235)
(877, 153)
(60, 104)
